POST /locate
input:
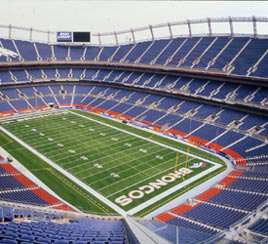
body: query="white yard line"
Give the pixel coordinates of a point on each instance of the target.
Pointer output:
(34, 138)
(162, 135)
(56, 135)
(86, 163)
(60, 112)
(46, 118)
(171, 190)
(121, 164)
(145, 179)
(32, 115)
(98, 145)
(78, 153)
(144, 138)
(108, 169)
(102, 197)
(62, 139)
(67, 174)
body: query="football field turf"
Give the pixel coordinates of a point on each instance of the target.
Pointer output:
(128, 167)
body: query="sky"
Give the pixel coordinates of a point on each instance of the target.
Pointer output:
(109, 15)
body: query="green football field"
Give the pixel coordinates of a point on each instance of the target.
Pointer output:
(128, 167)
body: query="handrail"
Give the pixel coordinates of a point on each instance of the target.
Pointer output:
(185, 71)
(49, 210)
(209, 28)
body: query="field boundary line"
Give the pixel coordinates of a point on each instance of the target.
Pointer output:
(145, 179)
(99, 195)
(128, 169)
(172, 190)
(67, 174)
(21, 168)
(160, 135)
(144, 138)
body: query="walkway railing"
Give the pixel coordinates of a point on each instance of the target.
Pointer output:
(233, 26)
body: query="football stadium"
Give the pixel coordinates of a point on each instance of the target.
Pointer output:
(151, 134)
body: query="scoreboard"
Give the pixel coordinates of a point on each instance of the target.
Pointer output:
(81, 36)
(77, 36)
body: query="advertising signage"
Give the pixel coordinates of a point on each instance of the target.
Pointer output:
(64, 36)
(68, 36)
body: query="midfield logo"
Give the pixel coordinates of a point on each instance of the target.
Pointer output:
(124, 200)
(198, 165)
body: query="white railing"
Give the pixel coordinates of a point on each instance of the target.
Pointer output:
(195, 27)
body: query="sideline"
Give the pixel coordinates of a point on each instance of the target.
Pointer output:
(21, 168)
(145, 138)
(67, 174)
(170, 190)
(102, 197)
